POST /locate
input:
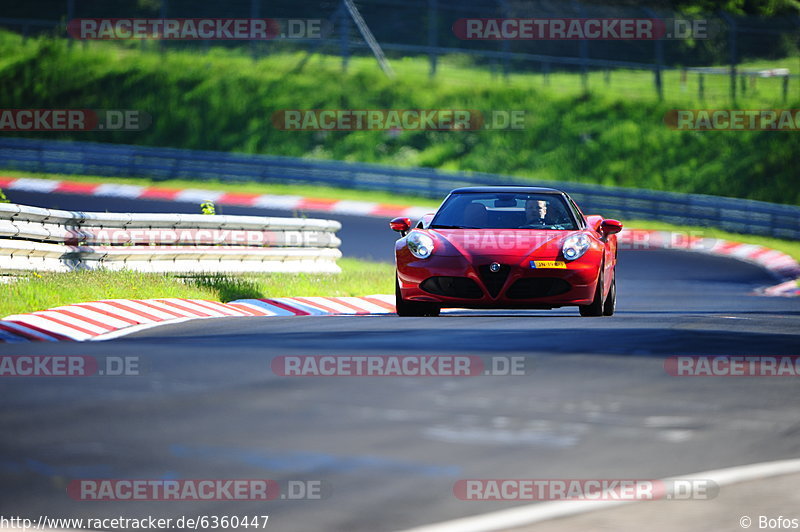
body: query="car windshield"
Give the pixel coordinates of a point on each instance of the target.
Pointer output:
(505, 210)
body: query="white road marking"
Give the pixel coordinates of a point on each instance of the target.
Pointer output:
(536, 513)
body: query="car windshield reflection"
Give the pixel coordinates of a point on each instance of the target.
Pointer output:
(505, 211)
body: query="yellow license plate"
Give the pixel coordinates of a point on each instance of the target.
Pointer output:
(549, 264)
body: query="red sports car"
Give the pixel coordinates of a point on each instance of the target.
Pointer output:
(506, 247)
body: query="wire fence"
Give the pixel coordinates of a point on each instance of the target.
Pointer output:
(667, 67)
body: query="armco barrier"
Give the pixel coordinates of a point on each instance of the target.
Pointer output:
(37, 239)
(732, 214)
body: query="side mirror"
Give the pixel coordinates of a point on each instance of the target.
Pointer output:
(610, 227)
(401, 225)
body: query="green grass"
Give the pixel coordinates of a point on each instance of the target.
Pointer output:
(39, 291)
(224, 100)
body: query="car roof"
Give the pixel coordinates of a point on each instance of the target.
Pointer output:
(517, 189)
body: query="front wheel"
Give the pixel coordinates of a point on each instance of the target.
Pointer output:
(412, 308)
(611, 301)
(596, 307)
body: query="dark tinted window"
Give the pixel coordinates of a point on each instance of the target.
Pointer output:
(505, 210)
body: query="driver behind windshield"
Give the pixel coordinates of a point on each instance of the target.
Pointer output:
(541, 213)
(535, 214)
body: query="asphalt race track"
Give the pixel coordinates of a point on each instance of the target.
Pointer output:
(595, 400)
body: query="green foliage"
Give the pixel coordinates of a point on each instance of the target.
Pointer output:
(769, 8)
(223, 100)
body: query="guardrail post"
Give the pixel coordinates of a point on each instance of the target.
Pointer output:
(659, 87)
(504, 44)
(255, 12)
(164, 6)
(659, 56)
(584, 51)
(785, 88)
(70, 16)
(732, 49)
(701, 90)
(433, 34)
(344, 36)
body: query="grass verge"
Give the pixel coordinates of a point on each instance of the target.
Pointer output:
(40, 291)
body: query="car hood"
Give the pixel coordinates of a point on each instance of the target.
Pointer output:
(509, 244)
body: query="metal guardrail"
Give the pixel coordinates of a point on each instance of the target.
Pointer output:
(115, 160)
(37, 239)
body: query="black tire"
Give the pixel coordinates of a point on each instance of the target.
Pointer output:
(595, 308)
(610, 303)
(413, 308)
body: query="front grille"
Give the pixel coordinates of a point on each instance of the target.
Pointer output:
(534, 287)
(494, 281)
(462, 287)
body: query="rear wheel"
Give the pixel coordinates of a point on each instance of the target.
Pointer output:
(413, 308)
(595, 308)
(610, 303)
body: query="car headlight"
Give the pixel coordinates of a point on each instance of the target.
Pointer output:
(575, 246)
(419, 244)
